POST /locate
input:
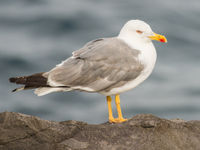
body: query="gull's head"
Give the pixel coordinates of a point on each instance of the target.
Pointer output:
(137, 30)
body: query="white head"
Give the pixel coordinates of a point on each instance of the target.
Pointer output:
(137, 30)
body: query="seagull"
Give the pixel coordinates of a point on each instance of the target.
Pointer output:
(109, 66)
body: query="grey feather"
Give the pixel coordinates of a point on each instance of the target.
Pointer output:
(100, 65)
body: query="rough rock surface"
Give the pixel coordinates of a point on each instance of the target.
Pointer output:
(142, 132)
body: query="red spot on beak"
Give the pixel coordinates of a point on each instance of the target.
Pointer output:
(162, 40)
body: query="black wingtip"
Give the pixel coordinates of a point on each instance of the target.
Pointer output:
(12, 79)
(14, 90)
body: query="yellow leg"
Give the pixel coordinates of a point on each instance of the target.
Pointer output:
(120, 117)
(110, 117)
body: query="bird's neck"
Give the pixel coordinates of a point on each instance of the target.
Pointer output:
(136, 43)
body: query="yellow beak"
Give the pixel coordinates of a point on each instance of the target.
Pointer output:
(158, 37)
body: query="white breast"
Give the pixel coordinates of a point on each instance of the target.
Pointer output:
(148, 58)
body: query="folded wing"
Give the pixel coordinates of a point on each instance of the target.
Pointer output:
(99, 66)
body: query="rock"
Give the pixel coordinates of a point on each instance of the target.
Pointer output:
(142, 132)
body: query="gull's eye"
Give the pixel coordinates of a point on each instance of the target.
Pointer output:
(139, 31)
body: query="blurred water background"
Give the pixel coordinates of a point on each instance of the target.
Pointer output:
(35, 35)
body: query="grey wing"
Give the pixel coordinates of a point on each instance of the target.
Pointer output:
(98, 66)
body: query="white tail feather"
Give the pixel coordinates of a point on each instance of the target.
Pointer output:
(18, 89)
(45, 90)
